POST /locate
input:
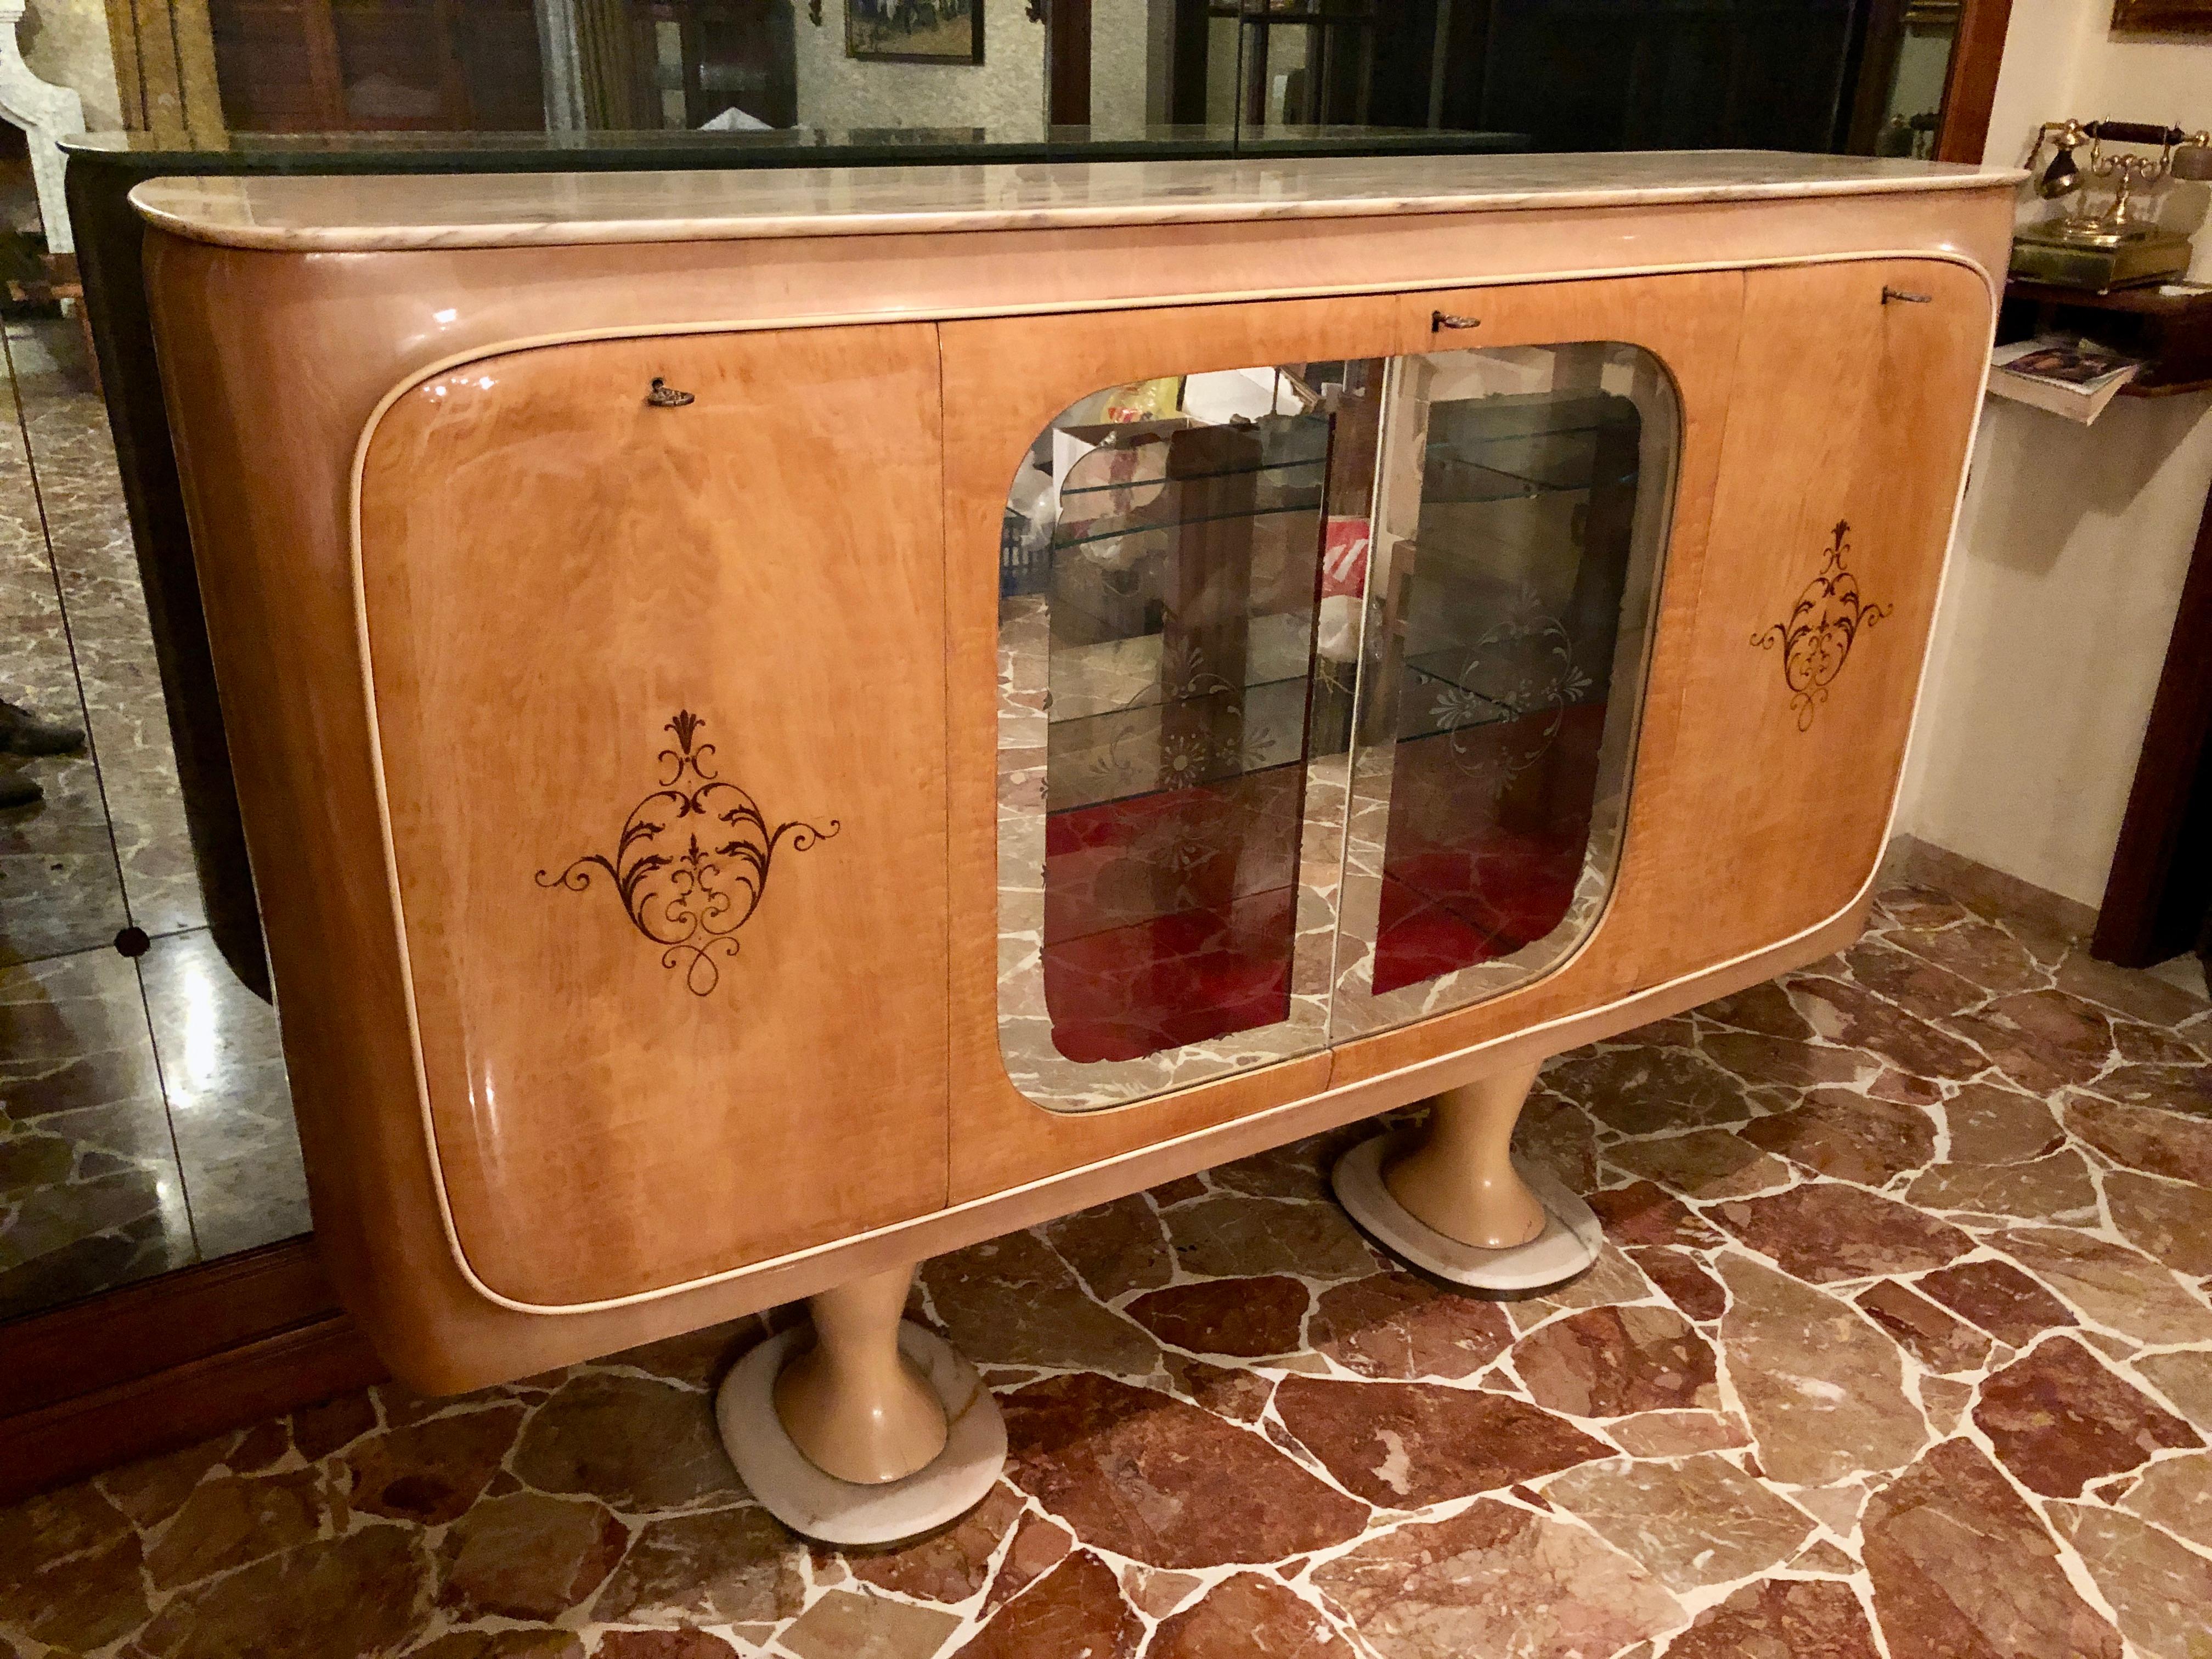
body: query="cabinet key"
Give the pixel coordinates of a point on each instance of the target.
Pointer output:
(1443, 320)
(665, 396)
(1902, 297)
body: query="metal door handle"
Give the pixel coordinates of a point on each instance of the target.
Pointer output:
(1443, 320)
(1900, 296)
(665, 396)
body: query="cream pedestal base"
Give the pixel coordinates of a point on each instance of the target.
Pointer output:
(866, 1430)
(1453, 1201)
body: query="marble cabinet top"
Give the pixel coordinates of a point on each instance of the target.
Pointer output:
(307, 214)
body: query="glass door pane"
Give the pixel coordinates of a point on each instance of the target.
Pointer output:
(1168, 866)
(1523, 500)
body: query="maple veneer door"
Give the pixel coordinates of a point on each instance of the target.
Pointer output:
(1822, 441)
(659, 688)
(1846, 439)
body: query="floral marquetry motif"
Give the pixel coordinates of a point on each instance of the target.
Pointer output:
(692, 898)
(1816, 639)
(1521, 674)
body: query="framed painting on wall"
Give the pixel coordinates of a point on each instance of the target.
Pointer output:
(914, 31)
(2162, 16)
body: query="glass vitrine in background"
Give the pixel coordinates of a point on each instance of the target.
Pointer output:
(1597, 74)
(378, 65)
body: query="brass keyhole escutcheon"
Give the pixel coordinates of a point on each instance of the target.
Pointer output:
(665, 396)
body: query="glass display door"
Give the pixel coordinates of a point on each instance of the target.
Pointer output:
(1522, 505)
(1319, 685)
(1160, 584)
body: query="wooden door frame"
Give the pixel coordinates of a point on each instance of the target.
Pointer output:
(2155, 897)
(1067, 63)
(1970, 84)
(163, 53)
(1878, 54)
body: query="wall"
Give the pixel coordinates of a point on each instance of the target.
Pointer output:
(2073, 541)
(65, 42)
(1005, 89)
(1123, 41)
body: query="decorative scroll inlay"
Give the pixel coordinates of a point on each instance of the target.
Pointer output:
(690, 898)
(1816, 639)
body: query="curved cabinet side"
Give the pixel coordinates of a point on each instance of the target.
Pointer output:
(273, 369)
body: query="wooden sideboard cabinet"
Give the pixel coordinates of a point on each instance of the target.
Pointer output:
(790, 722)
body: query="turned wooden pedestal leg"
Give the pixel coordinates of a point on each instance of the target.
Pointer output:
(852, 1403)
(1451, 1199)
(1459, 1178)
(860, 1428)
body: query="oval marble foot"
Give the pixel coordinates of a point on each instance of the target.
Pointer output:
(1568, 1243)
(819, 1505)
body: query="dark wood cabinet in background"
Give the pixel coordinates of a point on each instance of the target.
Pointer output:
(378, 65)
(478, 66)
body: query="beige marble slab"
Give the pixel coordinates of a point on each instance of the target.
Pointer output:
(395, 211)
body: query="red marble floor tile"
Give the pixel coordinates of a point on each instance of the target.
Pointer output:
(1999, 1297)
(1960, 1564)
(1404, 1445)
(1075, 1608)
(1151, 1478)
(1610, 1362)
(2059, 1419)
(1250, 1318)
(1781, 1618)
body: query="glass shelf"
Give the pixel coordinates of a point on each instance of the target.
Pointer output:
(1164, 500)
(1119, 676)
(1135, 525)
(1486, 707)
(1510, 446)
(1072, 490)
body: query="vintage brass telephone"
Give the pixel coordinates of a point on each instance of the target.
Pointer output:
(2121, 246)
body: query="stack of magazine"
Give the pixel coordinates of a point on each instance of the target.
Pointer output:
(2068, 376)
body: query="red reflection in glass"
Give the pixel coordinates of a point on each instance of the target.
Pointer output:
(1168, 917)
(1488, 826)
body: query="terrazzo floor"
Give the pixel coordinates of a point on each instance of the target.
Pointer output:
(145, 1122)
(1901, 1346)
